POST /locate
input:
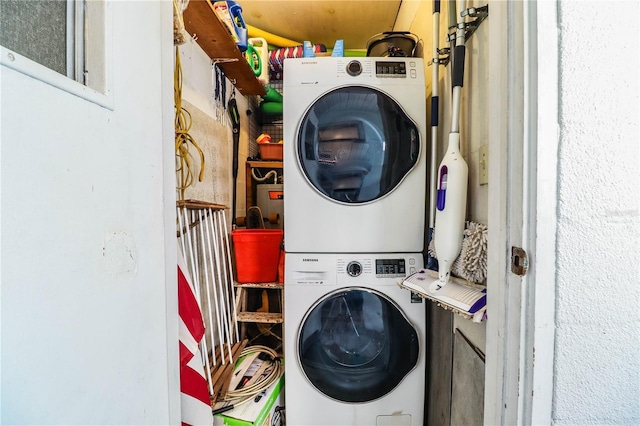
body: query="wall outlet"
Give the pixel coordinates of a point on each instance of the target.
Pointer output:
(483, 165)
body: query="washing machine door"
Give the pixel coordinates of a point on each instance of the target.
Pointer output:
(356, 345)
(355, 144)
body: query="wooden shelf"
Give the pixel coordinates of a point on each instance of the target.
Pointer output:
(265, 163)
(260, 317)
(201, 21)
(266, 322)
(259, 285)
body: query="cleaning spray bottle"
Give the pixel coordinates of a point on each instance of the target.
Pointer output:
(452, 178)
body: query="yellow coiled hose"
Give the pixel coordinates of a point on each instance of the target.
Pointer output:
(184, 164)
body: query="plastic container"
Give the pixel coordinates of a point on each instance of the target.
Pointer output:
(257, 254)
(272, 95)
(392, 43)
(261, 48)
(271, 108)
(221, 8)
(281, 268)
(271, 151)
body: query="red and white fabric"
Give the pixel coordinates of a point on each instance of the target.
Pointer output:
(194, 394)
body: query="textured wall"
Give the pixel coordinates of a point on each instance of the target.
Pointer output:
(211, 129)
(597, 365)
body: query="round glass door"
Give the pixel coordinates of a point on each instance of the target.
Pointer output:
(356, 144)
(356, 345)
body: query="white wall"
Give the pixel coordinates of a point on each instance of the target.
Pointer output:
(597, 354)
(89, 309)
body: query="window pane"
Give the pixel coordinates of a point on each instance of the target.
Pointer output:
(36, 30)
(356, 345)
(356, 144)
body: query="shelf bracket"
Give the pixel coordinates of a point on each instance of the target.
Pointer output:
(479, 13)
(444, 56)
(223, 61)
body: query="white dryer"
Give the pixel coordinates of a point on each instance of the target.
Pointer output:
(354, 155)
(354, 340)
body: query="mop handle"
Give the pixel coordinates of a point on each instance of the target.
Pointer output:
(435, 112)
(436, 63)
(459, 51)
(457, 80)
(458, 67)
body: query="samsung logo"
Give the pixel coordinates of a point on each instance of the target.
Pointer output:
(310, 260)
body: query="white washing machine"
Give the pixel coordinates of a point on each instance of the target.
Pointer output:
(354, 340)
(354, 155)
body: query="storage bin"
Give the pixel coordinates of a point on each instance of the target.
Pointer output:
(257, 252)
(271, 151)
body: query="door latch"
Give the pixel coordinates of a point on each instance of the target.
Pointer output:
(519, 261)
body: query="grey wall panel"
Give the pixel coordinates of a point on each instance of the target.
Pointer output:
(467, 390)
(439, 364)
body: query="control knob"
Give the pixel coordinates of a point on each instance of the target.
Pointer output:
(354, 68)
(354, 269)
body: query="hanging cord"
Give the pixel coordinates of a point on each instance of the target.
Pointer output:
(182, 126)
(179, 33)
(269, 376)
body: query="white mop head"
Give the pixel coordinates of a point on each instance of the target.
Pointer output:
(471, 264)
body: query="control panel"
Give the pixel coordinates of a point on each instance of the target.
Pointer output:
(391, 69)
(390, 268)
(377, 68)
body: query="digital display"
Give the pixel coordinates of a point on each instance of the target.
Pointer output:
(391, 69)
(390, 267)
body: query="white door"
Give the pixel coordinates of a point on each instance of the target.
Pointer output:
(520, 333)
(89, 310)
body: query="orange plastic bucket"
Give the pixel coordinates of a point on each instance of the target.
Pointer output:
(257, 252)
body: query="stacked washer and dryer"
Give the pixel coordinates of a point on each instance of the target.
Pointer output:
(355, 182)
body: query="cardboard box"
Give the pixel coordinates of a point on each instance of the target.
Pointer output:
(267, 411)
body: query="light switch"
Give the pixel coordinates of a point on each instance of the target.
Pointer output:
(483, 165)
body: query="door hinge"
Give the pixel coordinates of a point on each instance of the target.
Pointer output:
(519, 261)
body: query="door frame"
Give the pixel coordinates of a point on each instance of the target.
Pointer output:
(523, 152)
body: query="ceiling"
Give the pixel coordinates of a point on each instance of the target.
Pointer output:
(322, 22)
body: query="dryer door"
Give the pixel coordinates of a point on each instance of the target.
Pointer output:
(355, 144)
(356, 345)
